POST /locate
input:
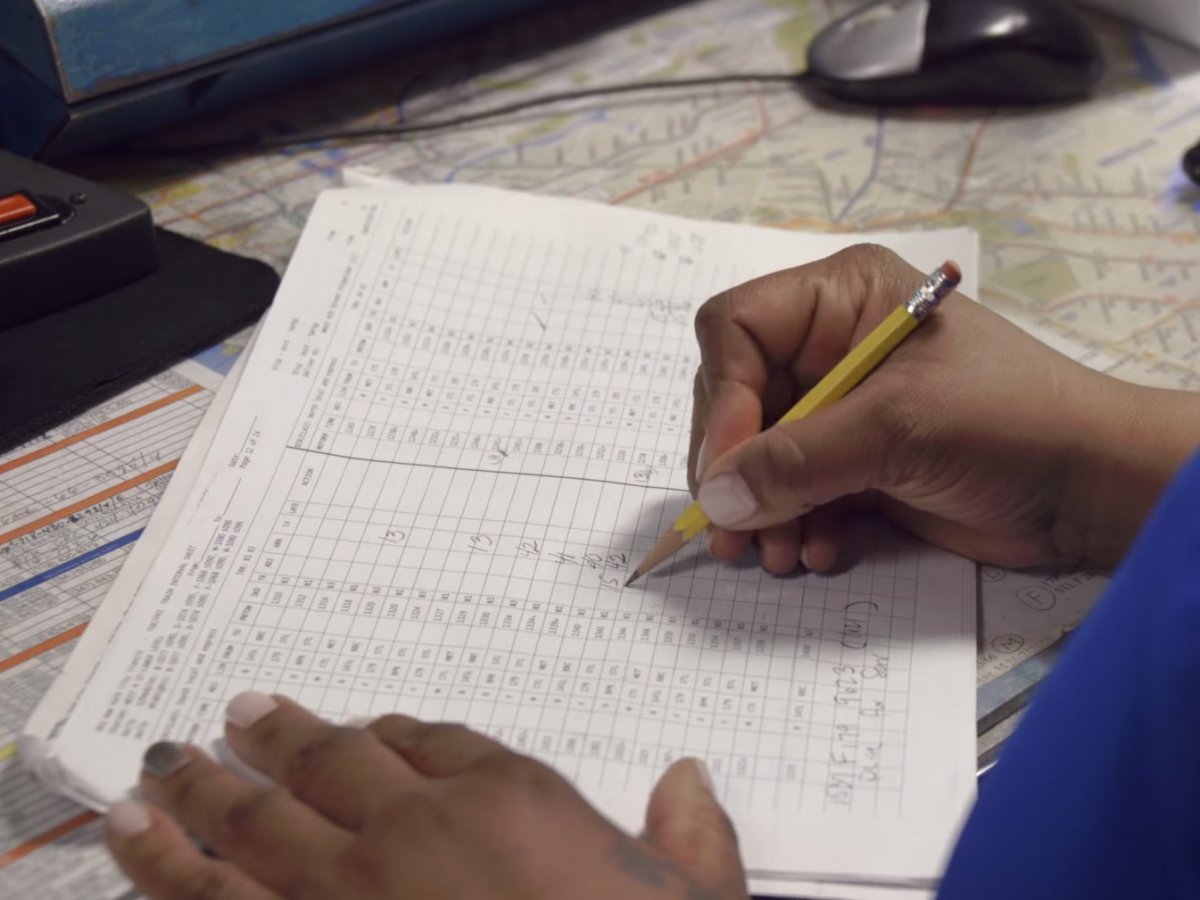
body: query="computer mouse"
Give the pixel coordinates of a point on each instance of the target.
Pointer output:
(956, 52)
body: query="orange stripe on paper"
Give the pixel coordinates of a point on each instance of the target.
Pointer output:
(38, 649)
(49, 837)
(98, 429)
(58, 515)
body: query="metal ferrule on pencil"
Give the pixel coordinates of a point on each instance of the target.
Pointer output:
(925, 298)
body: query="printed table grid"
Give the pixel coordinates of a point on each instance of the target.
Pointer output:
(351, 417)
(416, 570)
(341, 629)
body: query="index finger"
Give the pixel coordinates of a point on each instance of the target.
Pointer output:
(344, 773)
(164, 864)
(801, 320)
(281, 842)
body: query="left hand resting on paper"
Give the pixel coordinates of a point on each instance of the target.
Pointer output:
(404, 809)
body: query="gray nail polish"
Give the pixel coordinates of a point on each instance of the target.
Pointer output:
(164, 759)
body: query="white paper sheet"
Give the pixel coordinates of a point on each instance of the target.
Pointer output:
(464, 421)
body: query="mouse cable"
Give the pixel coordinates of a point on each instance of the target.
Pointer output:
(406, 129)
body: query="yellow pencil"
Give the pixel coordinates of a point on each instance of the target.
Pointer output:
(856, 365)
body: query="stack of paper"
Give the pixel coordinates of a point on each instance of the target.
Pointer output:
(464, 420)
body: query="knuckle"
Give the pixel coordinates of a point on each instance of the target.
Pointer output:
(270, 730)
(745, 297)
(432, 745)
(706, 832)
(867, 265)
(520, 778)
(457, 738)
(403, 816)
(717, 318)
(782, 465)
(868, 255)
(252, 811)
(318, 760)
(209, 883)
(184, 788)
(394, 727)
(712, 314)
(444, 733)
(721, 335)
(416, 734)
(867, 270)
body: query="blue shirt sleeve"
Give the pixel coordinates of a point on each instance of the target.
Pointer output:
(1097, 794)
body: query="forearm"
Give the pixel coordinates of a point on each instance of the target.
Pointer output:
(1132, 441)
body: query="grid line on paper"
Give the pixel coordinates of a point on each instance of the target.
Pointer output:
(504, 323)
(539, 712)
(201, 708)
(370, 590)
(365, 293)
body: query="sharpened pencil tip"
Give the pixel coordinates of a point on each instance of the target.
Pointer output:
(632, 578)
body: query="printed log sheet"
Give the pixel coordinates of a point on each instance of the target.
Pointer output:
(465, 420)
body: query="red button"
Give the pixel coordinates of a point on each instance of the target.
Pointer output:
(16, 207)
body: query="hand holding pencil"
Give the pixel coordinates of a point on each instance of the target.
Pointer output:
(957, 436)
(731, 497)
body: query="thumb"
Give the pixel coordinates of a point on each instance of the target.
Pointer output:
(792, 467)
(686, 824)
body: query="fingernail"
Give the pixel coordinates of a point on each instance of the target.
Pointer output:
(727, 500)
(247, 708)
(164, 759)
(702, 457)
(705, 776)
(804, 557)
(360, 721)
(127, 818)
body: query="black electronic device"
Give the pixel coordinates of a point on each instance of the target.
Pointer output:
(94, 298)
(956, 52)
(64, 240)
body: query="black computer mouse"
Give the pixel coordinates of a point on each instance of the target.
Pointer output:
(956, 52)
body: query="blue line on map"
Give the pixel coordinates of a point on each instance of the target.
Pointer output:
(870, 179)
(536, 142)
(1176, 121)
(1126, 152)
(70, 564)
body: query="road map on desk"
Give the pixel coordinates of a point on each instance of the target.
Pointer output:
(72, 505)
(1089, 228)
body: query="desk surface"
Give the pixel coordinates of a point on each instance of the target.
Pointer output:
(1089, 234)
(1085, 216)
